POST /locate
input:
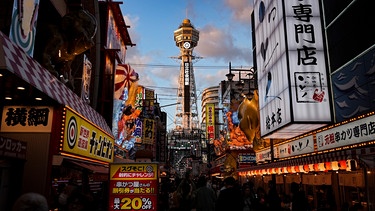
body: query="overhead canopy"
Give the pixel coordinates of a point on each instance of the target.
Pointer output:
(358, 154)
(94, 168)
(15, 60)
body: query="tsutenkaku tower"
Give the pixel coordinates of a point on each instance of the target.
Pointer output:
(186, 38)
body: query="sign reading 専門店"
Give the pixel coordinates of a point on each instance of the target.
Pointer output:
(133, 186)
(291, 68)
(85, 139)
(359, 131)
(26, 119)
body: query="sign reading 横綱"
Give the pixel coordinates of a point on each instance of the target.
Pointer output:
(26, 119)
(291, 66)
(133, 186)
(83, 138)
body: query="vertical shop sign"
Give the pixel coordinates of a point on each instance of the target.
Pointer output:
(148, 131)
(133, 186)
(292, 69)
(210, 121)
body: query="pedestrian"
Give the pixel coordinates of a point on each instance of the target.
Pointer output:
(185, 192)
(31, 202)
(260, 202)
(204, 197)
(229, 198)
(80, 201)
(273, 198)
(299, 200)
(248, 197)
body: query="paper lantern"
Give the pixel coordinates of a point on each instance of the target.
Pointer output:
(273, 171)
(335, 165)
(306, 168)
(311, 167)
(285, 170)
(327, 166)
(321, 167)
(342, 164)
(316, 167)
(289, 169)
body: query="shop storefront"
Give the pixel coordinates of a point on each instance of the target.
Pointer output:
(333, 166)
(66, 139)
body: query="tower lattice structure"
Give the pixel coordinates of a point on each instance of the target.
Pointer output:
(186, 38)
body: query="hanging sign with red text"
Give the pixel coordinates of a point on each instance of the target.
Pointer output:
(133, 186)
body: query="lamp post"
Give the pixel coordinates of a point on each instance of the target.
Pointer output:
(252, 81)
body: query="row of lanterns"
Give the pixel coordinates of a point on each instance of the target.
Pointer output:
(347, 165)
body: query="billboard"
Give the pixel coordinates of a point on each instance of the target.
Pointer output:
(82, 138)
(291, 66)
(133, 186)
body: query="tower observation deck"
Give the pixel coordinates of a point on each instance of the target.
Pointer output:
(186, 38)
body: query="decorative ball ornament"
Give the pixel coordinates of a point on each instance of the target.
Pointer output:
(125, 76)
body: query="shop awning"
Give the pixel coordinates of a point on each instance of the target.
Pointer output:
(92, 167)
(15, 60)
(316, 159)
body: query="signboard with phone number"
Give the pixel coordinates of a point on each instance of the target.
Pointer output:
(133, 186)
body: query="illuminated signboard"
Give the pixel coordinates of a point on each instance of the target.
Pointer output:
(210, 121)
(133, 186)
(186, 87)
(292, 70)
(26, 119)
(83, 138)
(297, 147)
(359, 131)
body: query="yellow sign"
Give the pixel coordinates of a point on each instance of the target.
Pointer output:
(83, 138)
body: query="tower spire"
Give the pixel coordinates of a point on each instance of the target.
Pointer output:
(186, 38)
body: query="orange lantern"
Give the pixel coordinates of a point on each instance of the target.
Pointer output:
(316, 167)
(328, 166)
(342, 164)
(306, 168)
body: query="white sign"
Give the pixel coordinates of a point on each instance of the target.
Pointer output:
(297, 147)
(291, 65)
(355, 132)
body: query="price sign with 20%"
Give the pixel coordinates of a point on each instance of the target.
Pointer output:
(138, 203)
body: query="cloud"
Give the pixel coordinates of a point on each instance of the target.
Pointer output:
(241, 9)
(217, 44)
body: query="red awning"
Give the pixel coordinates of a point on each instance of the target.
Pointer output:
(15, 60)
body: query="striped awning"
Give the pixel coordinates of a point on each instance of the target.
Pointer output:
(15, 60)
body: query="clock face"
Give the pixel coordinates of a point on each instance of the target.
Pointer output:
(186, 45)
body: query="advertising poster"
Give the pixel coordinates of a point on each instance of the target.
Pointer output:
(133, 186)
